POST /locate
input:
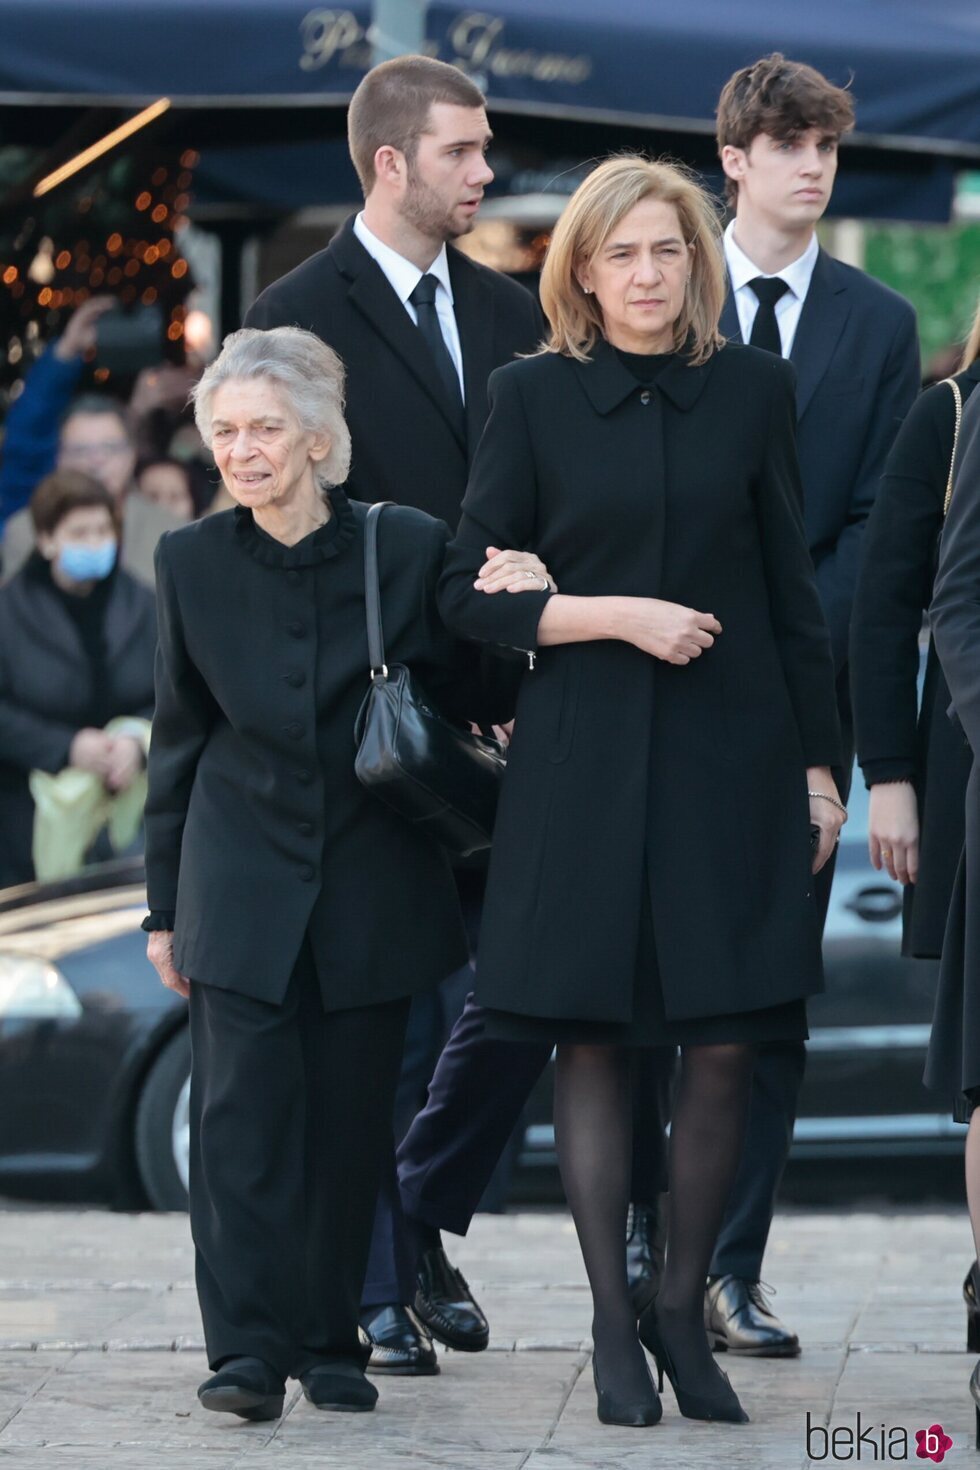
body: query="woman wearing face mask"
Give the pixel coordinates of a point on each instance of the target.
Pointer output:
(77, 638)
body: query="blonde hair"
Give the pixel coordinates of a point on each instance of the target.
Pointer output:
(308, 374)
(594, 210)
(971, 348)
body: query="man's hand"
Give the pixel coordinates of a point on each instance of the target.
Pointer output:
(514, 571)
(160, 953)
(80, 336)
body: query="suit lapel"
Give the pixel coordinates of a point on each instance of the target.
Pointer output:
(822, 320)
(729, 323)
(473, 303)
(371, 294)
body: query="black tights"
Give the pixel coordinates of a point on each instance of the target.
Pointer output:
(593, 1131)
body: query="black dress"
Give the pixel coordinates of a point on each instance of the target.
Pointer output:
(649, 1025)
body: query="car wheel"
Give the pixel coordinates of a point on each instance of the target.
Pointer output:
(163, 1125)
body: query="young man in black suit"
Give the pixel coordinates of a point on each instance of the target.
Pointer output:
(854, 345)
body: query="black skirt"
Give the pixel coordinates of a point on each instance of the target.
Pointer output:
(649, 1025)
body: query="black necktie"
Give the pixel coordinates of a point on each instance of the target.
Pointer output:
(765, 328)
(423, 298)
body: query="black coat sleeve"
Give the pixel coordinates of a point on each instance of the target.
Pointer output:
(894, 588)
(467, 683)
(896, 391)
(499, 509)
(183, 718)
(795, 611)
(955, 610)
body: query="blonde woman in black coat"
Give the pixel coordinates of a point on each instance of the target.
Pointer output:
(296, 911)
(651, 875)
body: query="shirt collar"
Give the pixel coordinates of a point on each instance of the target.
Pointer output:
(797, 274)
(402, 275)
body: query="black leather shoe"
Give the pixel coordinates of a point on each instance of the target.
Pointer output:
(738, 1319)
(339, 1386)
(399, 1343)
(971, 1295)
(446, 1305)
(247, 1387)
(645, 1240)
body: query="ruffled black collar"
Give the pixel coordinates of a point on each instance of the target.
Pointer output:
(320, 545)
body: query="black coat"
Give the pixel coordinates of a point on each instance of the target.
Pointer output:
(257, 830)
(856, 356)
(405, 445)
(47, 693)
(954, 1052)
(688, 491)
(895, 741)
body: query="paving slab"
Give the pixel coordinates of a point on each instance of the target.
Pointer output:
(101, 1355)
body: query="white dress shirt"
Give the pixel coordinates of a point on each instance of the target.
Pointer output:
(403, 277)
(797, 276)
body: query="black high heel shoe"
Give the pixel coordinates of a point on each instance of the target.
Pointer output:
(975, 1392)
(637, 1415)
(971, 1295)
(722, 1406)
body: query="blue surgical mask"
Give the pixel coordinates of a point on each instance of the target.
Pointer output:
(87, 563)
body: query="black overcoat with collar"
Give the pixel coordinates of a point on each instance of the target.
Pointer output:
(46, 691)
(856, 356)
(407, 442)
(688, 491)
(257, 830)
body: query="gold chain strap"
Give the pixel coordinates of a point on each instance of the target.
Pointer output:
(958, 400)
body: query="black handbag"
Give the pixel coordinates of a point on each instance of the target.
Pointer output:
(432, 771)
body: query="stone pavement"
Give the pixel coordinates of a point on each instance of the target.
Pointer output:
(100, 1356)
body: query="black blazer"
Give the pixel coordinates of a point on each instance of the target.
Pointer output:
(46, 693)
(257, 830)
(895, 741)
(856, 356)
(954, 1052)
(405, 441)
(688, 491)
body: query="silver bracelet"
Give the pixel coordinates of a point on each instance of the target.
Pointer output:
(822, 795)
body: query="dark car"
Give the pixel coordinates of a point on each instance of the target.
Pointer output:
(95, 1054)
(94, 1051)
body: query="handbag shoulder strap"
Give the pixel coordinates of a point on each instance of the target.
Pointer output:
(372, 592)
(958, 406)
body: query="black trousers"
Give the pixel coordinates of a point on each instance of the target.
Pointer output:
(290, 1119)
(776, 1082)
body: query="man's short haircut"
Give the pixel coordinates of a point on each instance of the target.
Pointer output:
(391, 108)
(782, 98)
(63, 491)
(100, 403)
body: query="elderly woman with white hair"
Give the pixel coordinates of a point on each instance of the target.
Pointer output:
(297, 912)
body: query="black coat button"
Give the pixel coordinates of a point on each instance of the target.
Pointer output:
(307, 873)
(296, 629)
(306, 828)
(293, 578)
(296, 678)
(645, 396)
(305, 777)
(294, 731)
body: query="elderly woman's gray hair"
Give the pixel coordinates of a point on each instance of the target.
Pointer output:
(308, 374)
